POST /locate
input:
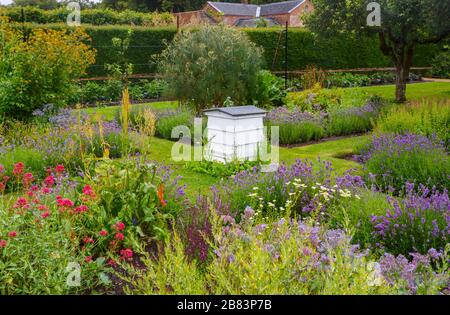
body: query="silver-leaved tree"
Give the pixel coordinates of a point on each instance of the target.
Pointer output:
(401, 25)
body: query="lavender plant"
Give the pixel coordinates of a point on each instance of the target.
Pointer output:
(417, 223)
(390, 160)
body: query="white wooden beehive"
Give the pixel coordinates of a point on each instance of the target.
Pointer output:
(234, 133)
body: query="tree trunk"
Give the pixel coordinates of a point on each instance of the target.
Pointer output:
(402, 74)
(403, 65)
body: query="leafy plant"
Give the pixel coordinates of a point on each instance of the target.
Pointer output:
(134, 192)
(202, 67)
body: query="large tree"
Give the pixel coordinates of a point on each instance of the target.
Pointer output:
(404, 24)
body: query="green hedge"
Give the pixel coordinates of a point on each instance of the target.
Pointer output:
(90, 16)
(304, 48)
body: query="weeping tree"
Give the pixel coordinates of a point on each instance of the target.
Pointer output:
(401, 25)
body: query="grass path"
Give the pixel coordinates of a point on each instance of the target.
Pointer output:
(160, 150)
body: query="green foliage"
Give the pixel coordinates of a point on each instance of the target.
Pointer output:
(316, 99)
(34, 160)
(340, 52)
(90, 16)
(405, 24)
(244, 265)
(441, 65)
(203, 67)
(427, 117)
(40, 70)
(134, 192)
(270, 90)
(346, 79)
(356, 213)
(222, 170)
(295, 133)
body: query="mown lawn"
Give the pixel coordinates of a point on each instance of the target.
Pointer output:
(160, 150)
(414, 91)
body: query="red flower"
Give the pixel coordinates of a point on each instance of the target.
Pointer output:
(88, 259)
(112, 262)
(126, 254)
(21, 203)
(88, 240)
(88, 191)
(119, 236)
(18, 169)
(27, 179)
(49, 180)
(161, 195)
(81, 208)
(12, 234)
(45, 214)
(3, 243)
(1, 168)
(103, 233)
(46, 190)
(119, 226)
(2, 187)
(59, 169)
(112, 243)
(64, 202)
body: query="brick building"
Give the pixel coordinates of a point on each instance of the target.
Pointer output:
(244, 14)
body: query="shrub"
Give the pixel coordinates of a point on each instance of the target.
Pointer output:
(203, 67)
(316, 99)
(391, 160)
(356, 214)
(354, 119)
(281, 257)
(270, 90)
(296, 126)
(426, 117)
(310, 190)
(419, 223)
(167, 121)
(40, 70)
(441, 65)
(345, 79)
(42, 235)
(139, 194)
(102, 16)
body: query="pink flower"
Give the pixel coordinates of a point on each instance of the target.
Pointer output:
(88, 191)
(3, 243)
(64, 202)
(27, 179)
(88, 240)
(46, 190)
(45, 214)
(12, 234)
(18, 169)
(81, 208)
(126, 254)
(119, 236)
(59, 169)
(103, 233)
(119, 226)
(49, 180)
(112, 262)
(88, 259)
(1, 168)
(21, 203)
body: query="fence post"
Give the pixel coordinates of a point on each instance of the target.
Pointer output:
(286, 57)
